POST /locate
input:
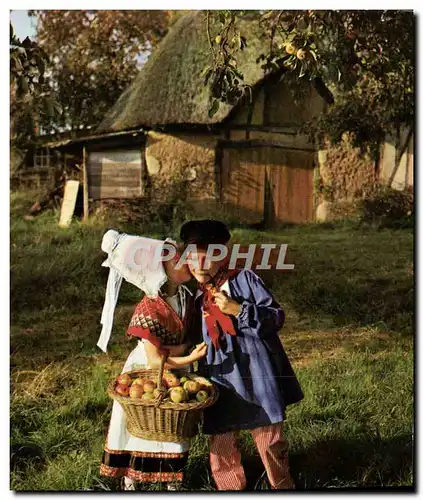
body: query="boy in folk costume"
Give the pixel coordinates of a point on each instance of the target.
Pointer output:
(240, 321)
(160, 323)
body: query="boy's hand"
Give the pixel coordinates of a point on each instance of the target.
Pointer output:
(199, 352)
(226, 304)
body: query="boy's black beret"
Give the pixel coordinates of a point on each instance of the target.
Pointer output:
(205, 232)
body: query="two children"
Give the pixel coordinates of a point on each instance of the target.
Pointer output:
(238, 320)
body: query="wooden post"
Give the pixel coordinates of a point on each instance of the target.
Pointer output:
(85, 185)
(143, 170)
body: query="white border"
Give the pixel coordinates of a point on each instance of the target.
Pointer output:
(4, 184)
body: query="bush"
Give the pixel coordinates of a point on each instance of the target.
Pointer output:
(388, 208)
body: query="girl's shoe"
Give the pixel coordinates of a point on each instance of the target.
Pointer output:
(128, 484)
(173, 487)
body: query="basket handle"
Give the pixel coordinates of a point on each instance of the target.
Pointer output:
(162, 392)
(164, 355)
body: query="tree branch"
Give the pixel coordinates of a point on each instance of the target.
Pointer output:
(208, 34)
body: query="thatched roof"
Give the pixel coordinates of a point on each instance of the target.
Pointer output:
(169, 89)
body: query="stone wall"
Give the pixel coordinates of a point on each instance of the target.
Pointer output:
(181, 167)
(346, 175)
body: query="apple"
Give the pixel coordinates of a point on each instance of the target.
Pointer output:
(124, 379)
(183, 380)
(201, 396)
(191, 386)
(149, 386)
(138, 381)
(204, 386)
(136, 391)
(171, 380)
(178, 395)
(179, 388)
(122, 390)
(156, 392)
(147, 396)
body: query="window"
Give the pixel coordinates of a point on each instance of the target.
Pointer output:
(115, 174)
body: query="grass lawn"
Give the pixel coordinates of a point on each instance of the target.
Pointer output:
(349, 333)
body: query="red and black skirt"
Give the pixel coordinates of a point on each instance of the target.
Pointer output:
(143, 466)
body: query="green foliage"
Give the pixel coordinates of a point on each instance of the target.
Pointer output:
(27, 64)
(95, 55)
(225, 80)
(31, 98)
(389, 208)
(365, 57)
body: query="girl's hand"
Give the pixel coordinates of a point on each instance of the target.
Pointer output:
(199, 352)
(176, 350)
(226, 304)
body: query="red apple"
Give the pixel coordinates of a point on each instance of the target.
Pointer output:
(139, 381)
(149, 386)
(204, 387)
(122, 390)
(171, 380)
(136, 391)
(124, 379)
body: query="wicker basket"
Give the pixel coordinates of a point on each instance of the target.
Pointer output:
(158, 420)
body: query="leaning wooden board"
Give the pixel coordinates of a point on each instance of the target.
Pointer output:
(69, 202)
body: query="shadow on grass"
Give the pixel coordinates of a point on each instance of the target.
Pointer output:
(360, 303)
(365, 463)
(22, 454)
(361, 463)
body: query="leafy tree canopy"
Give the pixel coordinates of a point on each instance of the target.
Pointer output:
(366, 58)
(94, 55)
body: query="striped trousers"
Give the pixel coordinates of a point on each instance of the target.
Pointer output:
(225, 459)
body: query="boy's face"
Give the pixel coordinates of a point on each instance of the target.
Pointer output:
(202, 269)
(180, 275)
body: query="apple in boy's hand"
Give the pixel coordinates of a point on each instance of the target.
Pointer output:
(124, 379)
(201, 396)
(122, 390)
(136, 391)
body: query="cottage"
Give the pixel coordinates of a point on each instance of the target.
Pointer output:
(250, 161)
(247, 161)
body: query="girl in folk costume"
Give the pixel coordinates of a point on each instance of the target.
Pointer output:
(240, 320)
(160, 323)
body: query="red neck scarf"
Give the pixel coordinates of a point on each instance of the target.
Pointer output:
(216, 320)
